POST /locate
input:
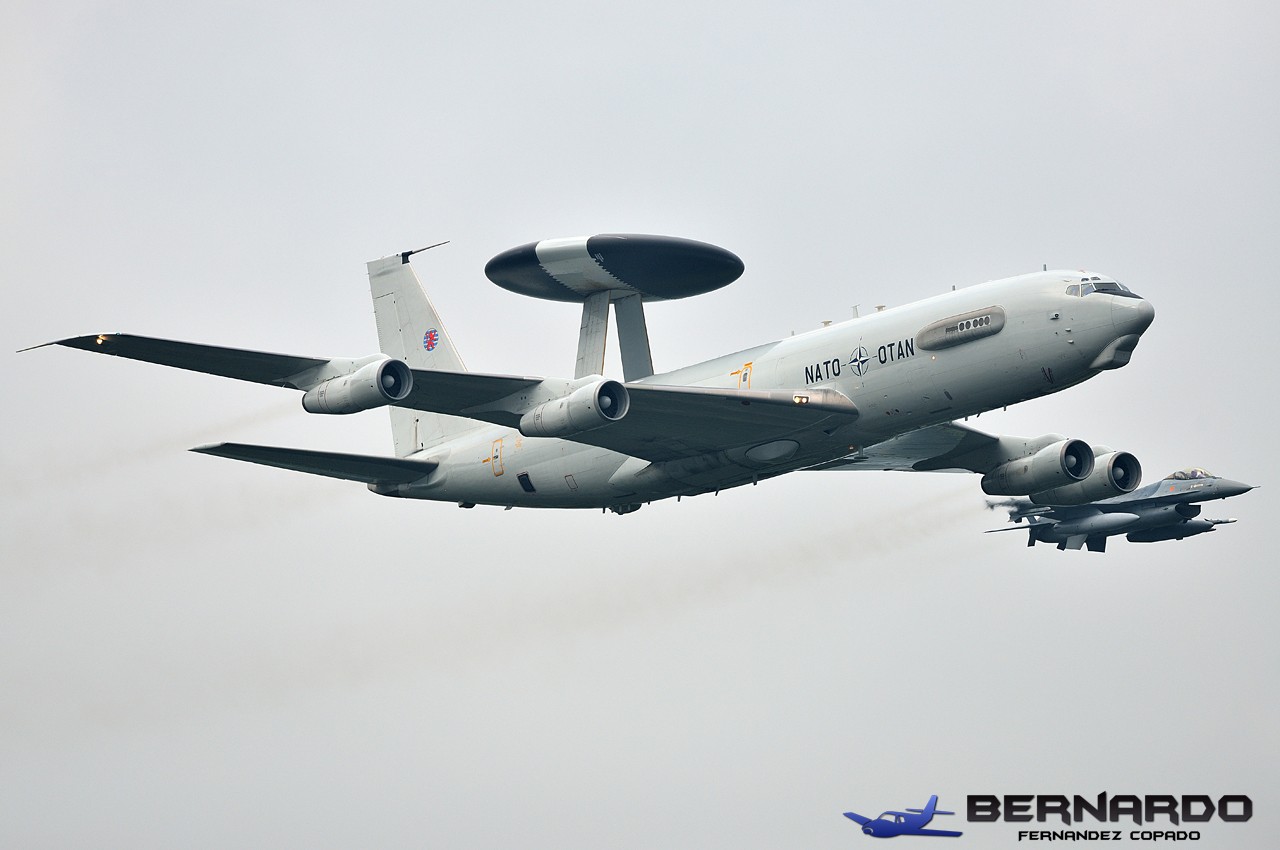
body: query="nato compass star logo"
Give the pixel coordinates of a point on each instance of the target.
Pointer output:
(860, 361)
(430, 338)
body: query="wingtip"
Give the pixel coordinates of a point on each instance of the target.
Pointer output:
(87, 342)
(207, 448)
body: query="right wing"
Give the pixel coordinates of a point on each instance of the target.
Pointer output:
(370, 469)
(949, 447)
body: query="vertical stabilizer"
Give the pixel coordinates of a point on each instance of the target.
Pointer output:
(409, 329)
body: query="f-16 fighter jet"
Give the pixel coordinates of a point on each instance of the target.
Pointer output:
(1166, 510)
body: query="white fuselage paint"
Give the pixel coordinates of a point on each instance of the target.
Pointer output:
(1049, 341)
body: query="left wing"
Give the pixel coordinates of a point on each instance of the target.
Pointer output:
(948, 832)
(663, 422)
(854, 816)
(667, 422)
(441, 392)
(260, 367)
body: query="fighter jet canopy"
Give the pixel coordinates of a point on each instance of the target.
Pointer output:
(1189, 474)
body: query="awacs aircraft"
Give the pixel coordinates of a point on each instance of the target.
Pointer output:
(1166, 510)
(910, 822)
(877, 392)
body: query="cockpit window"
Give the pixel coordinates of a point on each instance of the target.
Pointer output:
(1089, 285)
(1191, 474)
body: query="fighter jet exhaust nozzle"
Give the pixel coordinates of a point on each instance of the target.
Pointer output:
(375, 384)
(1059, 464)
(1114, 474)
(583, 409)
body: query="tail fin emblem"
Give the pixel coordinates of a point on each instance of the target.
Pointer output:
(430, 338)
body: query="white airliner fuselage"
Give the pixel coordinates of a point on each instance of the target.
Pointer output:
(877, 392)
(1046, 340)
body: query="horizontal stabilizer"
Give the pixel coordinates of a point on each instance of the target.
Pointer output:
(371, 469)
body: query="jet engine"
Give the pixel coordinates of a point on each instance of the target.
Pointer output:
(1062, 463)
(583, 409)
(1114, 474)
(372, 385)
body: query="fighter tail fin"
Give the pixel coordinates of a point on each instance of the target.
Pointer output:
(409, 328)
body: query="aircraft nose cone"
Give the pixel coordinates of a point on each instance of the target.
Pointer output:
(1229, 488)
(1132, 315)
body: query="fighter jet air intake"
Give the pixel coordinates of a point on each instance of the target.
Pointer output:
(878, 392)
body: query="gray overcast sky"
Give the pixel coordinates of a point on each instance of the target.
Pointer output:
(201, 653)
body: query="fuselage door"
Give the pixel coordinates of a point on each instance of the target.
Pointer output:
(495, 458)
(744, 377)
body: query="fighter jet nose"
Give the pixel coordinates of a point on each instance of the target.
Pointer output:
(1229, 488)
(1132, 315)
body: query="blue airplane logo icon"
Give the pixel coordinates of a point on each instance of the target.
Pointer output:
(910, 822)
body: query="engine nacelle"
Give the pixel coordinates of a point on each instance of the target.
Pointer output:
(1114, 474)
(1062, 463)
(372, 385)
(585, 408)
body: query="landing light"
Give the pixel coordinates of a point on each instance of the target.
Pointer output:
(101, 339)
(800, 399)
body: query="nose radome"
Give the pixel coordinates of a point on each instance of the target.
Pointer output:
(1229, 488)
(1132, 315)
